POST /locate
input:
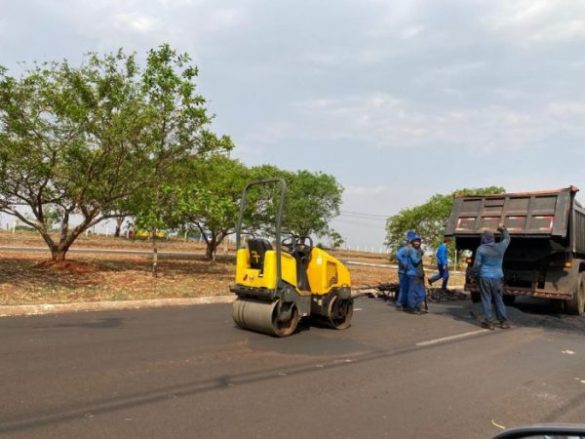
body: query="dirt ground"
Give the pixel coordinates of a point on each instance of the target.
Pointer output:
(30, 278)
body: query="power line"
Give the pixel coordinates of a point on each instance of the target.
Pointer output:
(363, 214)
(359, 222)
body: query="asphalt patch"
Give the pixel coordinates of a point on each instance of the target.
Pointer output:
(526, 311)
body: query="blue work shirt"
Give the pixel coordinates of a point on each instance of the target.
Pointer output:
(402, 259)
(489, 258)
(415, 262)
(442, 255)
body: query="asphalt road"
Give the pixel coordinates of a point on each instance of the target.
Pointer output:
(188, 372)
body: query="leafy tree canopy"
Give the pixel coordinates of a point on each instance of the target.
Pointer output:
(91, 141)
(210, 200)
(429, 218)
(312, 200)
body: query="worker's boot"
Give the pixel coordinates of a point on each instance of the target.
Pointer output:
(488, 324)
(505, 324)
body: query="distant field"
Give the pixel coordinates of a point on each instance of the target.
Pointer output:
(26, 278)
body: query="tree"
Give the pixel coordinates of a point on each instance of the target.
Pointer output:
(336, 239)
(90, 142)
(429, 218)
(176, 137)
(311, 201)
(210, 202)
(69, 142)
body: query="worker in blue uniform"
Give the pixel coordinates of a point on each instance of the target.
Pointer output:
(415, 273)
(488, 263)
(402, 260)
(442, 257)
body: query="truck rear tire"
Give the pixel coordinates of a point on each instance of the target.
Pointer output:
(576, 305)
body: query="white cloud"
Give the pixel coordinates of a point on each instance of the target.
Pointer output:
(538, 21)
(271, 133)
(411, 32)
(568, 109)
(567, 31)
(395, 123)
(139, 23)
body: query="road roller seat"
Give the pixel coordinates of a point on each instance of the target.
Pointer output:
(258, 248)
(302, 255)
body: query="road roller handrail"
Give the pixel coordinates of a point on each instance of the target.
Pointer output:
(243, 201)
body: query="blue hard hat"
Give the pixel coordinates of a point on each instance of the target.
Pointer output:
(415, 237)
(410, 235)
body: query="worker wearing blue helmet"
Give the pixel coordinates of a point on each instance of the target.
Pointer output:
(415, 273)
(402, 259)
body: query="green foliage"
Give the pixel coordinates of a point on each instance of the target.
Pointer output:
(312, 199)
(429, 218)
(98, 140)
(210, 200)
(336, 239)
(113, 138)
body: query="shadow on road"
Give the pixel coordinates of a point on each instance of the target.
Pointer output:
(526, 311)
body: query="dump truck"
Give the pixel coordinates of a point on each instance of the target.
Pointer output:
(281, 282)
(546, 256)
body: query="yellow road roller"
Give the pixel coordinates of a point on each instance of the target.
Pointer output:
(279, 283)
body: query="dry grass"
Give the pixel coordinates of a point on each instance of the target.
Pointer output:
(30, 278)
(33, 239)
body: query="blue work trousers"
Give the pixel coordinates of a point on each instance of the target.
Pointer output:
(442, 274)
(492, 290)
(416, 292)
(402, 290)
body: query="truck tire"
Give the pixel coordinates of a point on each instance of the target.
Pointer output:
(576, 305)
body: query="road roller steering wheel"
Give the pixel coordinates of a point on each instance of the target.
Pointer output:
(303, 245)
(289, 243)
(298, 244)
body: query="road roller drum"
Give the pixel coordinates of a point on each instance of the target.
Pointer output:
(265, 317)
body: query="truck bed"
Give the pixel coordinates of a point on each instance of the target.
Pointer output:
(532, 214)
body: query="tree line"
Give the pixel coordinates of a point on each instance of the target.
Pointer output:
(115, 138)
(429, 218)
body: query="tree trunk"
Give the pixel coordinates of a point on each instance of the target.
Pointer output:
(210, 252)
(58, 254)
(154, 255)
(211, 249)
(119, 222)
(213, 244)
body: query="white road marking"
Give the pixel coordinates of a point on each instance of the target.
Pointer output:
(568, 352)
(495, 424)
(451, 337)
(357, 309)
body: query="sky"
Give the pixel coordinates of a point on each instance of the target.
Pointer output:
(399, 100)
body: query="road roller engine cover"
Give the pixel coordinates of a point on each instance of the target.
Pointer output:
(279, 284)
